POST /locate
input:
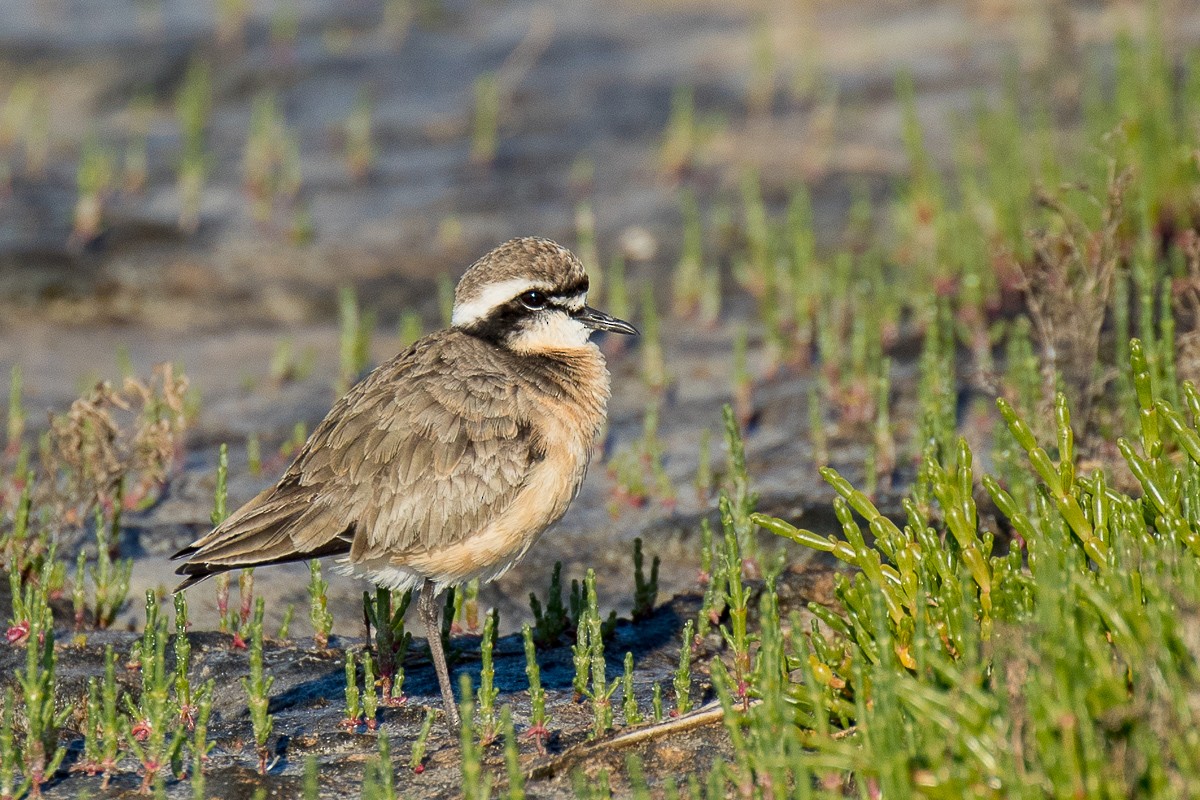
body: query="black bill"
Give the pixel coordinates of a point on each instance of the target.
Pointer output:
(599, 321)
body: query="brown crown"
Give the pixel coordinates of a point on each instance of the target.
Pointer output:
(530, 257)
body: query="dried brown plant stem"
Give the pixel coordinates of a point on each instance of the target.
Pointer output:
(1187, 305)
(111, 435)
(705, 715)
(1068, 288)
(708, 714)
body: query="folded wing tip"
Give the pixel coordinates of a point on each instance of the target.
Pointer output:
(193, 576)
(185, 552)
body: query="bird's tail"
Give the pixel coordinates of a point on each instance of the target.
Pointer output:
(276, 527)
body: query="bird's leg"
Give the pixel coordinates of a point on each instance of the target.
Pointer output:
(431, 615)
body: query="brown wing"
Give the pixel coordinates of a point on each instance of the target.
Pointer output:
(422, 453)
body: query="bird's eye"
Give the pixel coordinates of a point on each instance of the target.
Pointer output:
(533, 300)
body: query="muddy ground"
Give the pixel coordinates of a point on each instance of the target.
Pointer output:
(587, 94)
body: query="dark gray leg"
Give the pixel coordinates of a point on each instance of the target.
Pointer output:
(431, 615)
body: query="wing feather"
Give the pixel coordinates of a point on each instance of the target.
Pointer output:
(417, 456)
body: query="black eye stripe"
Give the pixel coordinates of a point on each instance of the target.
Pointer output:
(506, 319)
(561, 292)
(545, 299)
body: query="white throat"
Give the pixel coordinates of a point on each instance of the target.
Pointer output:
(551, 331)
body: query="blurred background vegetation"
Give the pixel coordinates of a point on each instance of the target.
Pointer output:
(857, 224)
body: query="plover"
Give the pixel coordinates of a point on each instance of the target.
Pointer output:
(448, 462)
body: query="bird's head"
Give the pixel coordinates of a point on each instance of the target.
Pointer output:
(530, 295)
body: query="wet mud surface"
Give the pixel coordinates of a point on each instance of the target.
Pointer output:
(307, 704)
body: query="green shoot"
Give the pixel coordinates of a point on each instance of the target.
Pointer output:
(416, 761)
(312, 784)
(354, 346)
(445, 293)
(285, 624)
(9, 759)
(41, 752)
(94, 181)
(537, 695)
(645, 591)
(354, 710)
(629, 703)
(485, 121)
(512, 761)
(585, 247)
(193, 106)
(200, 745)
(318, 610)
(16, 412)
(412, 328)
(154, 730)
(683, 675)
(258, 690)
(476, 784)
(654, 362)
(704, 472)
(551, 624)
(359, 143)
(391, 640)
(618, 291)
(379, 782)
(488, 692)
(110, 580)
(687, 281)
(600, 692)
(183, 661)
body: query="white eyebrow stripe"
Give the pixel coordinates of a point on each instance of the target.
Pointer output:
(492, 296)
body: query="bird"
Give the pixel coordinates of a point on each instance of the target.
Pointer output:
(448, 462)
